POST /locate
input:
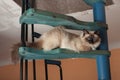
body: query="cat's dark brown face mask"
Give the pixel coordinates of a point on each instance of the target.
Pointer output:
(91, 37)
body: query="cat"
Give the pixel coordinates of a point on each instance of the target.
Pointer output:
(59, 37)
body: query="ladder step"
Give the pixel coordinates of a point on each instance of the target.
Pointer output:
(33, 16)
(31, 53)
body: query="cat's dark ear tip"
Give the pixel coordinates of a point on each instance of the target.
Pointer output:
(97, 32)
(85, 31)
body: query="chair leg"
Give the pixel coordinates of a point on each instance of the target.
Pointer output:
(34, 69)
(46, 70)
(21, 69)
(53, 62)
(61, 76)
(26, 69)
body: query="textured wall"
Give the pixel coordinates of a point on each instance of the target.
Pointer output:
(62, 6)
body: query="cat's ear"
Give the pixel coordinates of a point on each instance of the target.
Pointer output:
(97, 32)
(85, 32)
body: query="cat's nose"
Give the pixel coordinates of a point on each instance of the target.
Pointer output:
(90, 40)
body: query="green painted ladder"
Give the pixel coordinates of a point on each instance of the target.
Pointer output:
(34, 16)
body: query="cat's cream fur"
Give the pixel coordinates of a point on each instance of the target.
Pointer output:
(59, 37)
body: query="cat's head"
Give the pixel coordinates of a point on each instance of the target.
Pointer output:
(91, 38)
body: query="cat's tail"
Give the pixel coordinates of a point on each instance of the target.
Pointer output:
(15, 48)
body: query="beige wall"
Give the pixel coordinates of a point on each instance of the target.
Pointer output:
(73, 69)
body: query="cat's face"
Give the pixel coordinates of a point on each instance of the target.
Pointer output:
(91, 37)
